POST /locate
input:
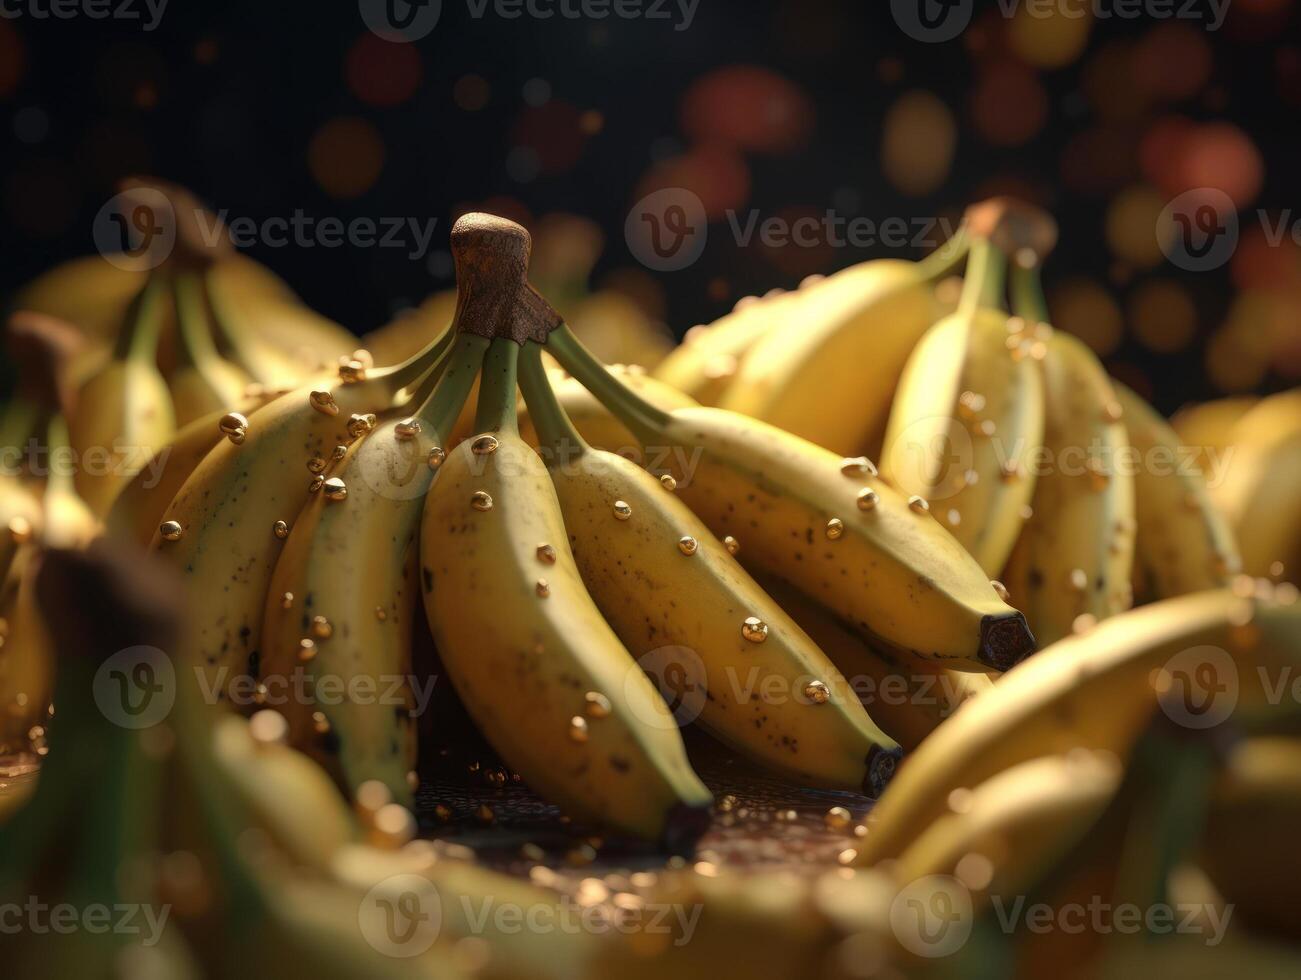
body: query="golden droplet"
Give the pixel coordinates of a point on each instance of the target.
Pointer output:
(268, 728)
(407, 429)
(338, 453)
(336, 489)
(668, 483)
(306, 649)
(868, 499)
(621, 510)
(1113, 412)
(857, 466)
(323, 402)
(835, 528)
(1098, 475)
(436, 458)
(1001, 589)
(280, 529)
(20, 529)
(443, 812)
(954, 517)
(481, 500)
(918, 505)
(351, 370)
(688, 545)
(364, 357)
(287, 601)
(359, 425)
(731, 544)
(817, 692)
(316, 484)
(970, 404)
(543, 588)
(321, 628)
(320, 723)
(987, 428)
(837, 818)
(171, 530)
(1010, 472)
(316, 464)
(1079, 579)
(234, 427)
(546, 554)
(381, 613)
(578, 728)
(754, 629)
(720, 366)
(484, 446)
(596, 704)
(1083, 623)
(484, 814)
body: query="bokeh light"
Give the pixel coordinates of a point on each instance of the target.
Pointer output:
(1173, 61)
(1132, 219)
(554, 132)
(753, 109)
(1109, 85)
(345, 157)
(715, 173)
(1050, 38)
(1009, 105)
(1099, 161)
(1162, 316)
(471, 92)
(1267, 256)
(382, 73)
(919, 139)
(12, 58)
(1082, 307)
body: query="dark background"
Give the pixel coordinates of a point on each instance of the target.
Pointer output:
(227, 98)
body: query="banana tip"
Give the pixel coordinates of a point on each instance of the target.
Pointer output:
(1005, 641)
(881, 766)
(684, 824)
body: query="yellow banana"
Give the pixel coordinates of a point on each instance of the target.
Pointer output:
(1005, 835)
(704, 364)
(1207, 427)
(1261, 490)
(91, 292)
(827, 371)
(968, 417)
(1094, 691)
(203, 381)
(356, 628)
(663, 581)
(223, 530)
(541, 672)
(138, 509)
(124, 412)
(411, 329)
(1183, 543)
(1075, 554)
(828, 526)
(908, 697)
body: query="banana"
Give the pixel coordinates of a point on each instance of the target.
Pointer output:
(1207, 427)
(704, 364)
(124, 412)
(541, 672)
(223, 530)
(203, 381)
(26, 662)
(1002, 837)
(908, 697)
(1261, 490)
(1183, 543)
(828, 526)
(1075, 554)
(662, 580)
(138, 509)
(827, 371)
(91, 292)
(1093, 690)
(1248, 847)
(357, 627)
(411, 329)
(968, 417)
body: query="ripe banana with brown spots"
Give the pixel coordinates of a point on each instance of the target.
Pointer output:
(663, 581)
(1183, 542)
(341, 603)
(830, 527)
(968, 416)
(1075, 555)
(541, 672)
